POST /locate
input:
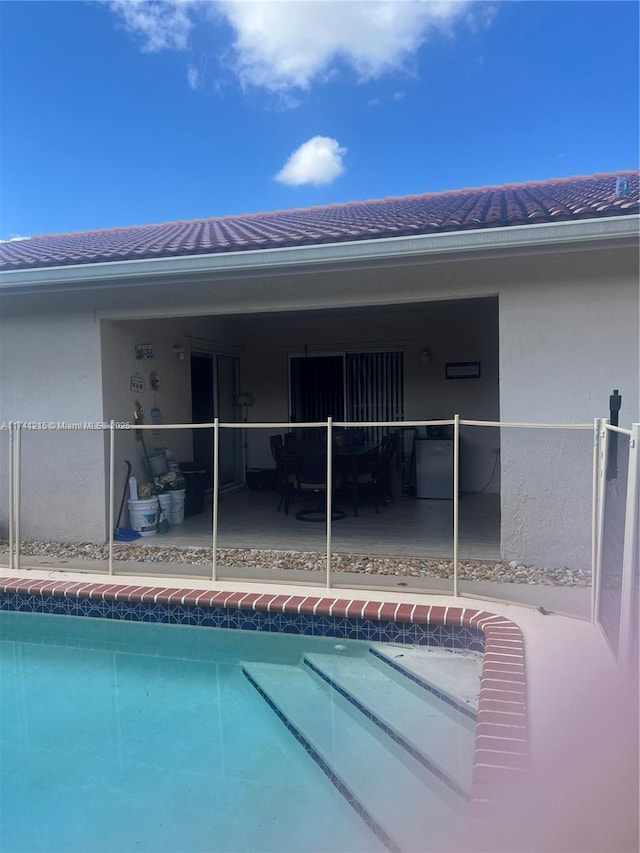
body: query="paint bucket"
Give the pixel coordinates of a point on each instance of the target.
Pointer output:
(177, 506)
(164, 500)
(143, 516)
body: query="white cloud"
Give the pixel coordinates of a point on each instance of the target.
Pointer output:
(15, 239)
(160, 24)
(284, 46)
(281, 46)
(192, 76)
(317, 161)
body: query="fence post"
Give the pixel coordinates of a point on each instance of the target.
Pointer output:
(630, 552)
(456, 477)
(329, 479)
(602, 498)
(12, 505)
(594, 515)
(18, 492)
(112, 464)
(214, 501)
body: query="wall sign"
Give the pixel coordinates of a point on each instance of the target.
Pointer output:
(144, 351)
(136, 384)
(462, 370)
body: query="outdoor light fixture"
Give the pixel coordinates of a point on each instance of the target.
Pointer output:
(425, 355)
(179, 352)
(245, 399)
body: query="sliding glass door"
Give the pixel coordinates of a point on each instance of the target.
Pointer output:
(214, 392)
(360, 386)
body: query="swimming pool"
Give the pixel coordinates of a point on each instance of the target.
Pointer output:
(500, 747)
(122, 736)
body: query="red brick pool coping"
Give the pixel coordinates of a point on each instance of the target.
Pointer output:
(501, 743)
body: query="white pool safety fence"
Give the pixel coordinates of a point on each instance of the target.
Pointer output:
(614, 503)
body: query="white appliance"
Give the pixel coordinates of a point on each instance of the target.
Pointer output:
(434, 468)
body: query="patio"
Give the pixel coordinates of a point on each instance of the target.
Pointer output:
(407, 527)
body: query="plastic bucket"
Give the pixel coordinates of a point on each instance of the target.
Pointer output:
(165, 504)
(143, 516)
(177, 506)
(157, 464)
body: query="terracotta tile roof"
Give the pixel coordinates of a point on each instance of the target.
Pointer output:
(555, 200)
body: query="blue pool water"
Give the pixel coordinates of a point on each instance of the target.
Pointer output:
(121, 736)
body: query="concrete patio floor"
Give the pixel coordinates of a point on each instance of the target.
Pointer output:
(407, 527)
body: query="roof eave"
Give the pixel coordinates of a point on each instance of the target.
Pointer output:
(520, 238)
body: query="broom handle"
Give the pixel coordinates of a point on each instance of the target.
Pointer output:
(124, 494)
(146, 456)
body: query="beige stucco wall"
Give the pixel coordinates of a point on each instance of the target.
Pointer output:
(50, 372)
(173, 397)
(566, 341)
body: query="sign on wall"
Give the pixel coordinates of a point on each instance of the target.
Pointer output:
(136, 384)
(144, 351)
(462, 370)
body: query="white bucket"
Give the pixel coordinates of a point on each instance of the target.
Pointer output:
(177, 506)
(143, 516)
(157, 464)
(165, 504)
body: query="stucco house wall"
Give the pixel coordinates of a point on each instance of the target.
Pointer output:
(567, 339)
(173, 397)
(50, 372)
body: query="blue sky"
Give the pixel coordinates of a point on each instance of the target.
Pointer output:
(124, 113)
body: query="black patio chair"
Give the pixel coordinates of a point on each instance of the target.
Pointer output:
(371, 472)
(285, 471)
(382, 468)
(311, 477)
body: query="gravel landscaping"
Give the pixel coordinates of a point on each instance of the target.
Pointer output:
(414, 567)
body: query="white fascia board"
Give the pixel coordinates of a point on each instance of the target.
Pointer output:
(398, 249)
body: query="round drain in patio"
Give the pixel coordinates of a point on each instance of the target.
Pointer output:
(319, 515)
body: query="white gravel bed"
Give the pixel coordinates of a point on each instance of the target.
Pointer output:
(414, 567)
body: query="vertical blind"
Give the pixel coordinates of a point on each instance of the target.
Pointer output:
(375, 389)
(362, 386)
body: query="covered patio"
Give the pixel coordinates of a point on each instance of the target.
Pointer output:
(407, 527)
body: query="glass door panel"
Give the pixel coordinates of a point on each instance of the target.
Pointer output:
(231, 458)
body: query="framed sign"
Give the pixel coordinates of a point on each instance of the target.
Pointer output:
(144, 351)
(136, 383)
(462, 370)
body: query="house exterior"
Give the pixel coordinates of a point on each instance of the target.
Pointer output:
(533, 286)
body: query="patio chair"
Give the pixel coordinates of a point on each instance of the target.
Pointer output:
(311, 477)
(408, 450)
(382, 468)
(372, 471)
(285, 472)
